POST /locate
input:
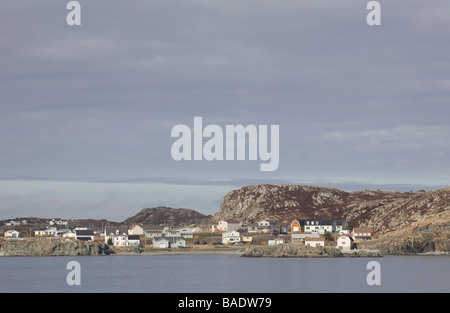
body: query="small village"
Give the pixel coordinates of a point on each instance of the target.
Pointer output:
(226, 233)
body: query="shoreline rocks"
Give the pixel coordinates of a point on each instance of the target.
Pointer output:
(297, 251)
(53, 247)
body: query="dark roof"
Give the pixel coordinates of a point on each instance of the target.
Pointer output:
(84, 232)
(133, 237)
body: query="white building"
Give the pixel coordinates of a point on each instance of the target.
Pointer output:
(118, 236)
(169, 242)
(228, 225)
(12, 233)
(231, 237)
(49, 231)
(133, 240)
(362, 233)
(315, 242)
(264, 226)
(275, 242)
(344, 243)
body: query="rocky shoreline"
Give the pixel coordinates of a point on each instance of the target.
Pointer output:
(296, 251)
(53, 247)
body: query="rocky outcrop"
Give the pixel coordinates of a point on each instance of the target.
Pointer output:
(390, 214)
(300, 251)
(167, 216)
(52, 247)
(414, 243)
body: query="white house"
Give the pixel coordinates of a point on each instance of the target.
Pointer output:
(228, 225)
(133, 240)
(231, 237)
(58, 222)
(275, 242)
(344, 243)
(315, 242)
(52, 231)
(169, 242)
(264, 226)
(118, 236)
(12, 233)
(362, 233)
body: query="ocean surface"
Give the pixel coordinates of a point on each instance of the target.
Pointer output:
(223, 274)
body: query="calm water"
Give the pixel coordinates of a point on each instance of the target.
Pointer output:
(224, 274)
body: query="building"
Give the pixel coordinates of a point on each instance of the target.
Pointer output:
(231, 237)
(228, 225)
(319, 226)
(362, 233)
(136, 229)
(275, 242)
(169, 242)
(296, 226)
(12, 233)
(49, 231)
(133, 240)
(315, 242)
(344, 243)
(313, 225)
(300, 238)
(84, 234)
(58, 222)
(117, 236)
(264, 226)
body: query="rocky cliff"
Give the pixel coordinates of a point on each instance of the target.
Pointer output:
(52, 247)
(391, 215)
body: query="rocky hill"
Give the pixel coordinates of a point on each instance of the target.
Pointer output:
(386, 212)
(168, 216)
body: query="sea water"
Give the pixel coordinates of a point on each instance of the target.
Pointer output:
(223, 274)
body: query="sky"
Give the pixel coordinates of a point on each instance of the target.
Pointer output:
(86, 112)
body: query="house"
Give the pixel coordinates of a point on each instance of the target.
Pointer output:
(231, 237)
(117, 236)
(362, 233)
(315, 242)
(136, 229)
(169, 242)
(12, 233)
(296, 226)
(67, 234)
(58, 222)
(300, 238)
(344, 243)
(228, 225)
(264, 226)
(247, 238)
(312, 225)
(133, 240)
(275, 242)
(49, 231)
(320, 226)
(153, 233)
(84, 234)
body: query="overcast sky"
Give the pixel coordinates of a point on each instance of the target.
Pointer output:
(86, 111)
